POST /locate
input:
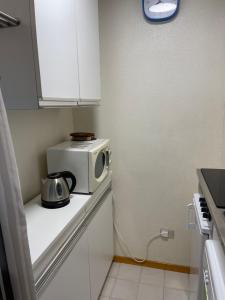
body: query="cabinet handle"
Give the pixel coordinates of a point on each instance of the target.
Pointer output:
(7, 20)
(190, 224)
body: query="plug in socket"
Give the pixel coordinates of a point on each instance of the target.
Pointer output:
(166, 233)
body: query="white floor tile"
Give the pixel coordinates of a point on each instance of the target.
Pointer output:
(150, 292)
(176, 280)
(129, 272)
(193, 296)
(125, 290)
(172, 294)
(152, 276)
(114, 270)
(108, 287)
(193, 282)
(129, 282)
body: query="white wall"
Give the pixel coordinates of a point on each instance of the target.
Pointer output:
(163, 106)
(33, 131)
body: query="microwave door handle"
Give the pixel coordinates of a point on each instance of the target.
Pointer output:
(108, 158)
(190, 224)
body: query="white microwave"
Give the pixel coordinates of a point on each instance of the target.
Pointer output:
(89, 161)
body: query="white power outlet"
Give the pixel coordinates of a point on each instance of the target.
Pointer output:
(166, 233)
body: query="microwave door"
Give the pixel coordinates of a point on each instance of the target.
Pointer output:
(100, 164)
(100, 169)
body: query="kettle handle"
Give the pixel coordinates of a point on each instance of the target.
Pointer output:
(67, 174)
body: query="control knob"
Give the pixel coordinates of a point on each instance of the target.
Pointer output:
(207, 216)
(202, 200)
(204, 210)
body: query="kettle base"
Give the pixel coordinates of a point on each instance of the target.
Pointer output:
(54, 205)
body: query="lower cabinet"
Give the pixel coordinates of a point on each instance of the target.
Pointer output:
(82, 274)
(72, 281)
(100, 237)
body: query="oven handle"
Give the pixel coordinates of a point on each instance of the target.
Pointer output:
(190, 224)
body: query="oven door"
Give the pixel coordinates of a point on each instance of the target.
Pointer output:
(197, 247)
(214, 271)
(99, 162)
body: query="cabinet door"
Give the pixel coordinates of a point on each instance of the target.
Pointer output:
(57, 49)
(88, 50)
(72, 281)
(100, 236)
(17, 67)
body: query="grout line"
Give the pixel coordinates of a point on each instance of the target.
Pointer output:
(113, 286)
(139, 282)
(141, 271)
(177, 289)
(164, 282)
(128, 280)
(137, 292)
(118, 270)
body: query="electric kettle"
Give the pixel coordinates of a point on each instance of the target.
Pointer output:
(55, 190)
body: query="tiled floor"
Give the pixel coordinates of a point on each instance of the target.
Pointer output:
(128, 282)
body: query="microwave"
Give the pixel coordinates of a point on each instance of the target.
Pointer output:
(89, 161)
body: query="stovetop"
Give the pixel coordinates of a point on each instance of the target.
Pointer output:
(215, 180)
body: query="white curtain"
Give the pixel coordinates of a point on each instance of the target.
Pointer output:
(12, 217)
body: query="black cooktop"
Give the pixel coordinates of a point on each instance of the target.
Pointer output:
(215, 180)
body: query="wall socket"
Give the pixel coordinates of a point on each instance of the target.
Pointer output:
(167, 233)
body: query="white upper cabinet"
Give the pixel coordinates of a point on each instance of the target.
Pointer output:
(18, 78)
(52, 58)
(88, 50)
(57, 49)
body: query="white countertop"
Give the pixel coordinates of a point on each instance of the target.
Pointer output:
(48, 228)
(45, 225)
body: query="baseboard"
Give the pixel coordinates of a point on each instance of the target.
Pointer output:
(153, 264)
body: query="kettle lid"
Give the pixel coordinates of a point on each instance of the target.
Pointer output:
(54, 175)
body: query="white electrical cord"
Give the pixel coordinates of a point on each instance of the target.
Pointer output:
(124, 244)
